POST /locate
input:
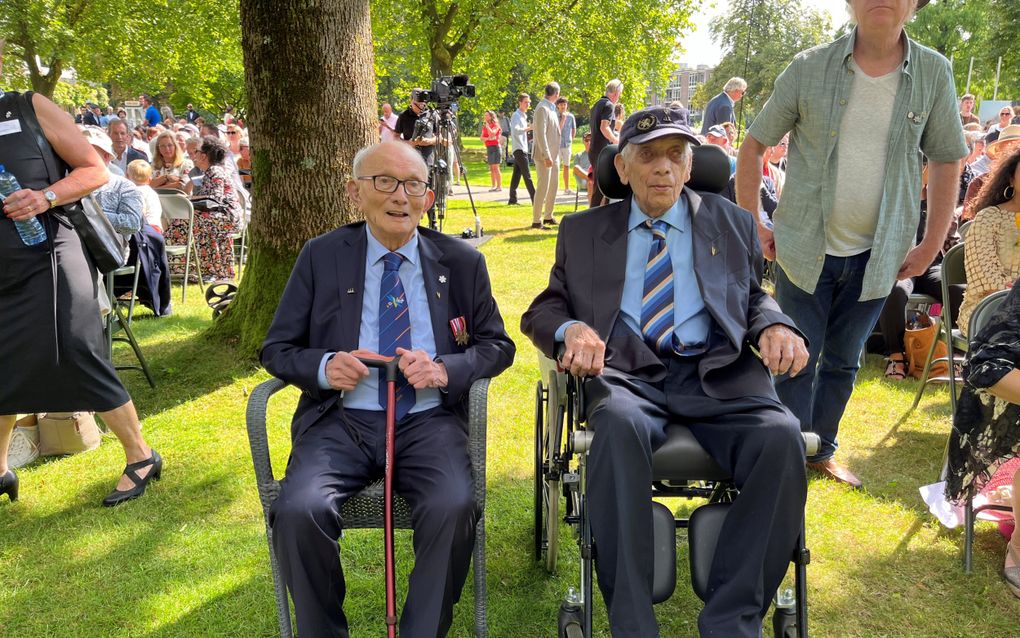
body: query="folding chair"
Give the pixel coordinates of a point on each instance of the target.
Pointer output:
(984, 311)
(177, 206)
(365, 509)
(953, 274)
(116, 320)
(680, 468)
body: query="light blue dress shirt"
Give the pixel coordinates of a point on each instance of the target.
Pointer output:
(691, 321)
(518, 132)
(365, 395)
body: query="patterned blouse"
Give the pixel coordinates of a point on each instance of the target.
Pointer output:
(175, 171)
(986, 429)
(992, 257)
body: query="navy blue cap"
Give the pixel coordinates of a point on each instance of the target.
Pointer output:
(654, 122)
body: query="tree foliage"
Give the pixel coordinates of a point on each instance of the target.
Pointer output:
(511, 46)
(184, 50)
(759, 38)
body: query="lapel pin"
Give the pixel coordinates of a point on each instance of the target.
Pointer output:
(714, 251)
(438, 295)
(442, 279)
(350, 291)
(8, 116)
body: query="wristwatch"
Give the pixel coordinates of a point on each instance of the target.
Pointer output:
(51, 197)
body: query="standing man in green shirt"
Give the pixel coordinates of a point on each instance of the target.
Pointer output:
(861, 111)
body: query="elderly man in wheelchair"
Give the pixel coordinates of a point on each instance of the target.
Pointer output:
(654, 306)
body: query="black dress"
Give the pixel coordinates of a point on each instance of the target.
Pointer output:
(986, 430)
(51, 333)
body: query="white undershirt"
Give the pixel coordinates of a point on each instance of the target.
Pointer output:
(861, 157)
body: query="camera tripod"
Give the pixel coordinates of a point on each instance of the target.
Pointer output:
(446, 150)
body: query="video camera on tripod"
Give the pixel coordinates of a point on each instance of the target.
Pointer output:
(441, 121)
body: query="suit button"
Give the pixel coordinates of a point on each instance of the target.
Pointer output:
(322, 408)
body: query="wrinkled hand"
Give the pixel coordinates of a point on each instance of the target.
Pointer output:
(420, 370)
(344, 371)
(917, 262)
(768, 243)
(25, 204)
(585, 353)
(782, 350)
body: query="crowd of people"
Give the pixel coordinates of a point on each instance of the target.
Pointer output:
(854, 179)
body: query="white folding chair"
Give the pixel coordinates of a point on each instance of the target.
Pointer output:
(177, 206)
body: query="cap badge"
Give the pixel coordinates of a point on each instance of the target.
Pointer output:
(646, 123)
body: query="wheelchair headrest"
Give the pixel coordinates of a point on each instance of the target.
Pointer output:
(710, 171)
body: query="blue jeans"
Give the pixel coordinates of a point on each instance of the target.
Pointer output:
(836, 325)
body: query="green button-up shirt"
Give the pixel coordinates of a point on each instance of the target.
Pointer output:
(809, 100)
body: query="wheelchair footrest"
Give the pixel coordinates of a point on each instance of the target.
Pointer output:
(702, 535)
(664, 553)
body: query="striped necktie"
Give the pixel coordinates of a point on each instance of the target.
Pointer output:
(394, 330)
(657, 302)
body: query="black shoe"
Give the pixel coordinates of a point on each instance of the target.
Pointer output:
(9, 485)
(549, 222)
(538, 226)
(116, 497)
(512, 202)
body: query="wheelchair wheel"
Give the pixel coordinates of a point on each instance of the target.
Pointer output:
(539, 500)
(555, 465)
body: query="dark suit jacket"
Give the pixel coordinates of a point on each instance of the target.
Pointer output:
(586, 284)
(321, 311)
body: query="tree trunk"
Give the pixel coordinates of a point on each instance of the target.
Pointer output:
(309, 76)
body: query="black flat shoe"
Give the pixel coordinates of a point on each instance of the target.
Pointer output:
(116, 497)
(9, 485)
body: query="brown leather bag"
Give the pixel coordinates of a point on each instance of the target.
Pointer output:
(918, 342)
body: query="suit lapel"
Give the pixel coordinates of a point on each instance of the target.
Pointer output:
(609, 259)
(350, 264)
(710, 255)
(437, 287)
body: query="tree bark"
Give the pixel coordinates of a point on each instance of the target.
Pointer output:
(309, 76)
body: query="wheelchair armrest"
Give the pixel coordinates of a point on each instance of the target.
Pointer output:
(812, 443)
(258, 439)
(478, 400)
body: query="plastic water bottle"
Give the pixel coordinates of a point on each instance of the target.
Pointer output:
(31, 231)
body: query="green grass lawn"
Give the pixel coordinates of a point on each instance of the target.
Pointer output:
(190, 558)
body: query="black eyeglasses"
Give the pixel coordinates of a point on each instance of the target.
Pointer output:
(387, 184)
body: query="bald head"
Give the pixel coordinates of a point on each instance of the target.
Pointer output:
(385, 153)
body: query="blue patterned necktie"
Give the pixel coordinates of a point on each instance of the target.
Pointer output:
(394, 330)
(657, 301)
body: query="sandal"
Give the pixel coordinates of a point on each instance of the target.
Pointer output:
(896, 368)
(219, 294)
(116, 497)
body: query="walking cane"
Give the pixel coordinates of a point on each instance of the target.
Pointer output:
(391, 366)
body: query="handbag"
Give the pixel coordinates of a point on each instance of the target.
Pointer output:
(918, 343)
(63, 433)
(106, 246)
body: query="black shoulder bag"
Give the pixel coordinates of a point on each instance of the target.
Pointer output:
(106, 246)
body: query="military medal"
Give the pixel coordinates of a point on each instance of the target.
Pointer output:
(459, 328)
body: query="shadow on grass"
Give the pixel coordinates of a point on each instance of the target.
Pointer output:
(907, 461)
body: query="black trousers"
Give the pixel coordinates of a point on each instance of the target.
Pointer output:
(754, 438)
(335, 459)
(892, 321)
(521, 169)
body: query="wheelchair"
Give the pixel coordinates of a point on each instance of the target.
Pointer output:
(681, 468)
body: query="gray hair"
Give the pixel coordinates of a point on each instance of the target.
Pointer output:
(552, 89)
(735, 84)
(614, 86)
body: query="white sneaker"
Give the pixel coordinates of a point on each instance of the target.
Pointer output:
(24, 446)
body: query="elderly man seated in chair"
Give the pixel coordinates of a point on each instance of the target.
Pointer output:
(388, 287)
(656, 300)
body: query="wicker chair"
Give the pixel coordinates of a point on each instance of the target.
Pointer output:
(365, 509)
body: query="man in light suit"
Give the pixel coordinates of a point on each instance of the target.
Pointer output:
(389, 287)
(546, 153)
(657, 300)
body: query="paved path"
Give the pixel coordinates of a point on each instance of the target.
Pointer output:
(482, 194)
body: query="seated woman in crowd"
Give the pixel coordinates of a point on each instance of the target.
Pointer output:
(993, 241)
(986, 427)
(217, 215)
(1008, 140)
(170, 168)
